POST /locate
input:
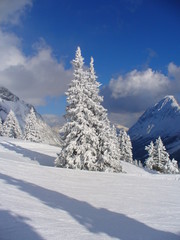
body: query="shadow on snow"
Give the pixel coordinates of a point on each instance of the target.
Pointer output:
(95, 220)
(41, 158)
(15, 227)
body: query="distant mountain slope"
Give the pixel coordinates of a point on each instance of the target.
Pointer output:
(163, 119)
(9, 101)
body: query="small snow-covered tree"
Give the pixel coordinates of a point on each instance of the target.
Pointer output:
(135, 162)
(11, 126)
(158, 158)
(161, 157)
(175, 165)
(112, 148)
(140, 164)
(32, 131)
(171, 167)
(125, 146)
(150, 160)
(86, 135)
(1, 127)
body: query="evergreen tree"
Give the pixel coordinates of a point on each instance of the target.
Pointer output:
(158, 159)
(108, 154)
(125, 146)
(140, 164)
(11, 126)
(114, 155)
(171, 167)
(1, 127)
(135, 162)
(161, 157)
(77, 135)
(32, 131)
(85, 136)
(150, 160)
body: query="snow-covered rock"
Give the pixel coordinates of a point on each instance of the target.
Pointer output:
(9, 101)
(160, 120)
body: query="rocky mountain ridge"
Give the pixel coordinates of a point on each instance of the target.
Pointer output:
(9, 101)
(163, 119)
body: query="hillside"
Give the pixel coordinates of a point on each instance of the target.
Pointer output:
(40, 202)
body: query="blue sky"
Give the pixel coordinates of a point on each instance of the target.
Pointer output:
(135, 44)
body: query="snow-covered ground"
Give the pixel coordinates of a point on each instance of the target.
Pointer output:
(38, 201)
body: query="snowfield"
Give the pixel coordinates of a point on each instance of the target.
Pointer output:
(39, 202)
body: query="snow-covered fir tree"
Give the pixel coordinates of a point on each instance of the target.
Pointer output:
(171, 166)
(158, 158)
(150, 160)
(108, 154)
(36, 130)
(11, 126)
(138, 163)
(1, 127)
(112, 146)
(161, 157)
(125, 146)
(87, 131)
(78, 137)
(32, 130)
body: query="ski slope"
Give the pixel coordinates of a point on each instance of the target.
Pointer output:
(40, 202)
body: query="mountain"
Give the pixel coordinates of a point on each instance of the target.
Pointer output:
(9, 101)
(163, 119)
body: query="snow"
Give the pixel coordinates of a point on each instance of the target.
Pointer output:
(41, 202)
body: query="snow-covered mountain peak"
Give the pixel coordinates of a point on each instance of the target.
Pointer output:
(5, 94)
(167, 108)
(160, 120)
(167, 102)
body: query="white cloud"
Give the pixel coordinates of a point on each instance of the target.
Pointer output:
(174, 72)
(128, 96)
(11, 54)
(31, 78)
(11, 10)
(136, 82)
(125, 119)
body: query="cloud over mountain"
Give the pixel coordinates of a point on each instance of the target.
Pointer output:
(139, 82)
(131, 94)
(34, 77)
